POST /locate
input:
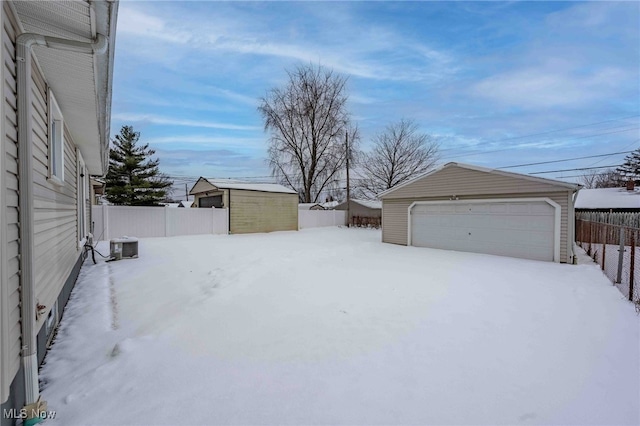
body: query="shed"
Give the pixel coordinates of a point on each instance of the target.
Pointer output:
(475, 209)
(363, 208)
(609, 200)
(252, 207)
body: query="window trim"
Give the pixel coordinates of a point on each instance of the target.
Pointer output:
(55, 141)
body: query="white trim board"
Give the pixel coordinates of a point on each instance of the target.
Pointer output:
(556, 206)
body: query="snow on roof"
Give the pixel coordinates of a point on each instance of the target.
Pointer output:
(608, 198)
(249, 186)
(372, 204)
(307, 206)
(330, 204)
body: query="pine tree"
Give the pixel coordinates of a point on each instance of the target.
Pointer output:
(134, 178)
(630, 169)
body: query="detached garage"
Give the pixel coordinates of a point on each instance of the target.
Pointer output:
(251, 207)
(475, 209)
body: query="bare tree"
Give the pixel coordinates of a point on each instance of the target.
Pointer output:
(588, 179)
(307, 120)
(609, 178)
(400, 153)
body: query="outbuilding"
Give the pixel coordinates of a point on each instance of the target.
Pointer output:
(475, 209)
(251, 207)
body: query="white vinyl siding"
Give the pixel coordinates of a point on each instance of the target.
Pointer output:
(9, 267)
(55, 206)
(82, 193)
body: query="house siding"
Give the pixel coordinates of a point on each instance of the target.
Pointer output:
(55, 207)
(467, 185)
(356, 209)
(10, 267)
(254, 211)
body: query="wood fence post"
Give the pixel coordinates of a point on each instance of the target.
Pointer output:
(620, 256)
(632, 266)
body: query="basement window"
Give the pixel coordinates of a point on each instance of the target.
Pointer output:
(56, 141)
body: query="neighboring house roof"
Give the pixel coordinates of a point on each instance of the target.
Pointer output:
(185, 203)
(370, 204)
(236, 184)
(81, 81)
(309, 206)
(608, 198)
(554, 182)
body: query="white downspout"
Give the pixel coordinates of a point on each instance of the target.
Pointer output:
(24, 44)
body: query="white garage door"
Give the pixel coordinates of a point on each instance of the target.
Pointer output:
(517, 229)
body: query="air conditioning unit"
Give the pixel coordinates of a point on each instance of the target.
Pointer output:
(123, 248)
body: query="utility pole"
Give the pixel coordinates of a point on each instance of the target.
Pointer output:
(186, 191)
(346, 137)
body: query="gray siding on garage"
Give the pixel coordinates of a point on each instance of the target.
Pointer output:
(468, 184)
(255, 211)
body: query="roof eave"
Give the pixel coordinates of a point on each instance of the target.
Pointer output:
(569, 186)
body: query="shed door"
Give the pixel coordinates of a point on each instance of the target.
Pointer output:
(517, 229)
(207, 202)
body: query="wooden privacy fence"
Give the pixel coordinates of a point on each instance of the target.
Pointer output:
(366, 222)
(615, 249)
(117, 221)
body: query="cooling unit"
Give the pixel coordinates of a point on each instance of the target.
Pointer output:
(125, 247)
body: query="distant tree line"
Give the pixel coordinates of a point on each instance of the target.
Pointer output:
(618, 177)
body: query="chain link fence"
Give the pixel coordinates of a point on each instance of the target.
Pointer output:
(616, 249)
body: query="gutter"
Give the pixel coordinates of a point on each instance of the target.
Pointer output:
(24, 43)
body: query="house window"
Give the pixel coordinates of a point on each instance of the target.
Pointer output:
(56, 141)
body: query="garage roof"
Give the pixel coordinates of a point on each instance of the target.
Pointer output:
(207, 184)
(553, 182)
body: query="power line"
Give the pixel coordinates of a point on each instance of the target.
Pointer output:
(555, 131)
(560, 161)
(571, 170)
(529, 143)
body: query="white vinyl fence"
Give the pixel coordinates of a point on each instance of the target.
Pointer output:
(118, 221)
(317, 218)
(142, 222)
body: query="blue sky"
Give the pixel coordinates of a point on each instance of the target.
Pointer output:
(498, 84)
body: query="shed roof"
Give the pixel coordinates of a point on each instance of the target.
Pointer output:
(553, 182)
(216, 184)
(608, 198)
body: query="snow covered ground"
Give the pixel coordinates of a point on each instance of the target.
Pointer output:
(330, 326)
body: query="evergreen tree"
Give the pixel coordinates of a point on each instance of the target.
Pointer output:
(134, 178)
(630, 169)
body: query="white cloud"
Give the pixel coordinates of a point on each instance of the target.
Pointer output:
(168, 121)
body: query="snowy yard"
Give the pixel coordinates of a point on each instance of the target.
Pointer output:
(330, 326)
